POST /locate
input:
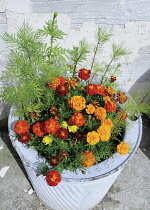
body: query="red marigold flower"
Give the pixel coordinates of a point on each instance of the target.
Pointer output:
(62, 133)
(25, 138)
(38, 129)
(84, 74)
(122, 115)
(113, 79)
(62, 90)
(53, 178)
(64, 154)
(54, 161)
(77, 119)
(55, 82)
(21, 127)
(121, 97)
(110, 106)
(91, 89)
(51, 126)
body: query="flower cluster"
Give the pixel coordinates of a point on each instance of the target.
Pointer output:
(79, 127)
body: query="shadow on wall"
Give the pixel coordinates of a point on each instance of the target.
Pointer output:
(142, 84)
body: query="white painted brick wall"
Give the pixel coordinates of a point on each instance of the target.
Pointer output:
(129, 20)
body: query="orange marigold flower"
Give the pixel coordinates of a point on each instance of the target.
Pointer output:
(87, 159)
(72, 82)
(123, 148)
(121, 97)
(62, 133)
(84, 74)
(95, 103)
(56, 117)
(91, 89)
(25, 138)
(106, 98)
(90, 109)
(77, 103)
(55, 82)
(107, 122)
(113, 79)
(110, 90)
(53, 178)
(21, 127)
(77, 119)
(93, 138)
(53, 110)
(122, 115)
(51, 126)
(62, 90)
(100, 113)
(39, 129)
(104, 132)
(110, 106)
(100, 90)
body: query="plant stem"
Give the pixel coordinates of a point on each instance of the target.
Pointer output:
(96, 49)
(23, 111)
(76, 64)
(143, 98)
(52, 37)
(106, 70)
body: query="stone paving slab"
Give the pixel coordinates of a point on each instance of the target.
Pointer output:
(131, 190)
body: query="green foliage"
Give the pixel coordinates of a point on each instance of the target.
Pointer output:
(30, 67)
(33, 67)
(78, 54)
(103, 36)
(138, 104)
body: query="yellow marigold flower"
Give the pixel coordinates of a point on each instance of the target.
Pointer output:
(90, 109)
(92, 138)
(123, 148)
(77, 103)
(73, 128)
(100, 113)
(106, 98)
(64, 124)
(104, 132)
(107, 122)
(47, 139)
(110, 90)
(72, 82)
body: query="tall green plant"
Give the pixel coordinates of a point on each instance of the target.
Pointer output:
(31, 63)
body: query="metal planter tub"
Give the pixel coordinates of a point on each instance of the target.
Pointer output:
(76, 191)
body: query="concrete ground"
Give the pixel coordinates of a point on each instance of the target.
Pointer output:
(131, 190)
